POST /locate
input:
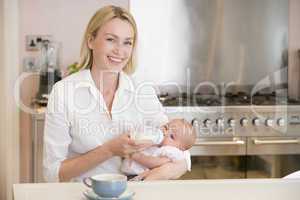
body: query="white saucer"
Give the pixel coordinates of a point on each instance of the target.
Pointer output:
(91, 195)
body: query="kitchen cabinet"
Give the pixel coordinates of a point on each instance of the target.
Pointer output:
(37, 147)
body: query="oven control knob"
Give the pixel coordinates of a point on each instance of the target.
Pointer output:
(244, 122)
(207, 122)
(231, 122)
(195, 122)
(256, 121)
(280, 122)
(220, 122)
(269, 122)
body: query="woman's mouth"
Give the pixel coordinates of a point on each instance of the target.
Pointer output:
(116, 60)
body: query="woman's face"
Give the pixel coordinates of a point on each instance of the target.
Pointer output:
(112, 47)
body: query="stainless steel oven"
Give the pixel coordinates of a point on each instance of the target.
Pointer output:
(243, 141)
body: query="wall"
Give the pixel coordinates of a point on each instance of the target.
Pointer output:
(2, 168)
(9, 70)
(221, 41)
(66, 21)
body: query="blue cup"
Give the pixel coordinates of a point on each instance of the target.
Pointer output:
(107, 185)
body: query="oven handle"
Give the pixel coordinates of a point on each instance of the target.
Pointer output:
(219, 143)
(292, 141)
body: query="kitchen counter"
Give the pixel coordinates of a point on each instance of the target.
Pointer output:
(246, 189)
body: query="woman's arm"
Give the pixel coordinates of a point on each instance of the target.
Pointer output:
(73, 167)
(170, 170)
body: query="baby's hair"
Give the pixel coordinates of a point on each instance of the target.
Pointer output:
(188, 133)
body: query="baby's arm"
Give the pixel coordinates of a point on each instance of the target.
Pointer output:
(150, 161)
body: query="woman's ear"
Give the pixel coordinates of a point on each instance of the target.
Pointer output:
(90, 42)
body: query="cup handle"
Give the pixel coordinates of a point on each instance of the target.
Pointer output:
(85, 181)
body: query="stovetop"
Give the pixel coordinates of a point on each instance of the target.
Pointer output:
(229, 99)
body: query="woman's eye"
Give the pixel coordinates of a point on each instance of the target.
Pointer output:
(110, 39)
(128, 43)
(165, 127)
(172, 136)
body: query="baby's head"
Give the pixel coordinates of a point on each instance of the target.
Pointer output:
(179, 133)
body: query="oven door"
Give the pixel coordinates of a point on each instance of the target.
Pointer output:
(272, 157)
(253, 157)
(221, 157)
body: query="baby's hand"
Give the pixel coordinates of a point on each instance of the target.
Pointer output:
(141, 176)
(136, 178)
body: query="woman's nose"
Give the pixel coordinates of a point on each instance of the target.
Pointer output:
(117, 48)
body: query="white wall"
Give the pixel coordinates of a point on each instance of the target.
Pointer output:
(156, 47)
(2, 169)
(65, 20)
(9, 70)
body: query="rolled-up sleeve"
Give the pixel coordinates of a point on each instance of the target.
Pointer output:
(56, 134)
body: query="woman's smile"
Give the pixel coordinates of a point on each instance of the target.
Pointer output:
(115, 60)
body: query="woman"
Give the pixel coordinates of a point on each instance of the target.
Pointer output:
(89, 112)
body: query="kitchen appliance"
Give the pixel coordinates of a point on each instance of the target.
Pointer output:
(240, 139)
(49, 70)
(223, 66)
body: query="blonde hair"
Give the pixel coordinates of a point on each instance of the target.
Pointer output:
(102, 16)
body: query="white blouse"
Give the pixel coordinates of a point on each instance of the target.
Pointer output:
(77, 120)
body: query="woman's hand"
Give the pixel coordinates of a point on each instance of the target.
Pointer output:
(123, 146)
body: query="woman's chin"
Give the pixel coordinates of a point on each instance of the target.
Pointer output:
(112, 68)
(116, 68)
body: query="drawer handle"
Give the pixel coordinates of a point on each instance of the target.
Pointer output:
(219, 143)
(292, 141)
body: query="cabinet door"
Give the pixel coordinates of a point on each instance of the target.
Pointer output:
(38, 133)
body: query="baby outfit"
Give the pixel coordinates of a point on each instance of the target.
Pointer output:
(131, 167)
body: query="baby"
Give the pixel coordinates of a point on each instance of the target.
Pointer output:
(178, 136)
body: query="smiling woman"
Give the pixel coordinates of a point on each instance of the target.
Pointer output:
(86, 128)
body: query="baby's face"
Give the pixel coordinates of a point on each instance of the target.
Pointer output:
(172, 134)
